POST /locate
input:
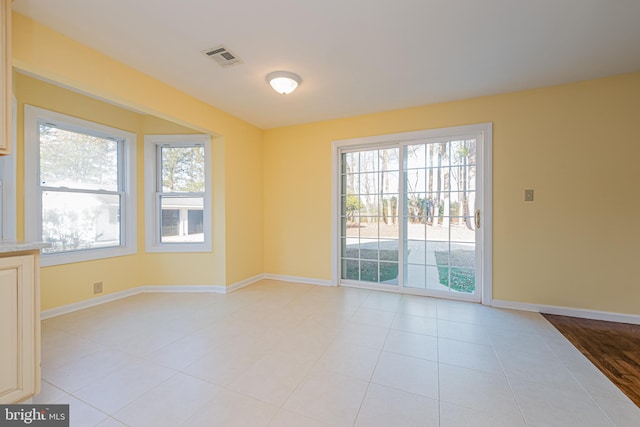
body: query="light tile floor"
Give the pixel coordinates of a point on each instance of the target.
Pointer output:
(289, 355)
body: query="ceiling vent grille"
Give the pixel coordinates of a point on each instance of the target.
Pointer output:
(223, 56)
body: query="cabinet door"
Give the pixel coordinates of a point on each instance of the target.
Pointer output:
(18, 332)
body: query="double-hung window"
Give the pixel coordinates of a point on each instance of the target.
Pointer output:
(79, 186)
(178, 193)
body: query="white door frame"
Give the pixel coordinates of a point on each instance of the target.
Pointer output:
(484, 152)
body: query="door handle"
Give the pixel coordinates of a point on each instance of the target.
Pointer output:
(477, 218)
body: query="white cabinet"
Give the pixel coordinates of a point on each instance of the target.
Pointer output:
(19, 326)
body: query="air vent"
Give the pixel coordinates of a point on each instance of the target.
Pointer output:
(223, 56)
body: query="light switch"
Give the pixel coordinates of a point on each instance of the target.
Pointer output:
(528, 195)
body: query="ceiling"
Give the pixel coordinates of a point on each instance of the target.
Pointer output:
(354, 56)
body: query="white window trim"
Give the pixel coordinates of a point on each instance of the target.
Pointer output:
(152, 213)
(8, 167)
(486, 132)
(33, 199)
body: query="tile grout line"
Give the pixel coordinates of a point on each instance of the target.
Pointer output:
(374, 369)
(508, 378)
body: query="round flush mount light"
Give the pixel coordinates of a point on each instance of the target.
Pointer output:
(283, 82)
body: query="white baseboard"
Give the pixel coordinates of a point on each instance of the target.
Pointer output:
(296, 279)
(213, 289)
(568, 311)
(241, 284)
(52, 312)
(216, 289)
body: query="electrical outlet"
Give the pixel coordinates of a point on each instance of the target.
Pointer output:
(97, 288)
(528, 195)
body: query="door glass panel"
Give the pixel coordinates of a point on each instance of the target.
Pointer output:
(439, 207)
(370, 215)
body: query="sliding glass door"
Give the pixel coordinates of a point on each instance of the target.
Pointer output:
(410, 212)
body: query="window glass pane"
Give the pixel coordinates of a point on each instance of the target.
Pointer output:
(350, 163)
(76, 221)
(195, 221)
(170, 222)
(416, 156)
(183, 169)
(76, 160)
(182, 219)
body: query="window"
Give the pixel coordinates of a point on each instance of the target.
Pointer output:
(178, 199)
(79, 186)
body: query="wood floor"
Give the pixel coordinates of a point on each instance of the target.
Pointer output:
(614, 348)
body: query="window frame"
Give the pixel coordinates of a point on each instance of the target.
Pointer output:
(153, 192)
(33, 117)
(8, 182)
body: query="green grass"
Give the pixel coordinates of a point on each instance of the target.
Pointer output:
(459, 264)
(369, 266)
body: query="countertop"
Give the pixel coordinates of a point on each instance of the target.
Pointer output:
(7, 246)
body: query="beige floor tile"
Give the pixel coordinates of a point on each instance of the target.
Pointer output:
(414, 345)
(122, 386)
(350, 360)
(170, 403)
(226, 363)
(514, 339)
(286, 418)
(186, 350)
(110, 422)
(418, 306)
(466, 332)
(365, 335)
(406, 373)
(81, 414)
(78, 373)
(384, 406)
(544, 405)
(231, 409)
(382, 301)
(458, 311)
(60, 348)
(477, 390)
(537, 367)
(273, 378)
(468, 355)
(416, 324)
(48, 394)
(595, 382)
(622, 411)
(312, 356)
(331, 398)
(522, 321)
(457, 416)
(371, 317)
(148, 342)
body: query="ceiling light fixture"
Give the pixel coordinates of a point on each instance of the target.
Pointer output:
(283, 82)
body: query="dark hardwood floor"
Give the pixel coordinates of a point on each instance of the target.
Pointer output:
(614, 348)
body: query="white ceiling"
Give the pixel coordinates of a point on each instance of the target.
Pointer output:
(354, 56)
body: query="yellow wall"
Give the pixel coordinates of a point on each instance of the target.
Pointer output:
(237, 164)
(577, 145)
(574, 144)
(61, 283)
